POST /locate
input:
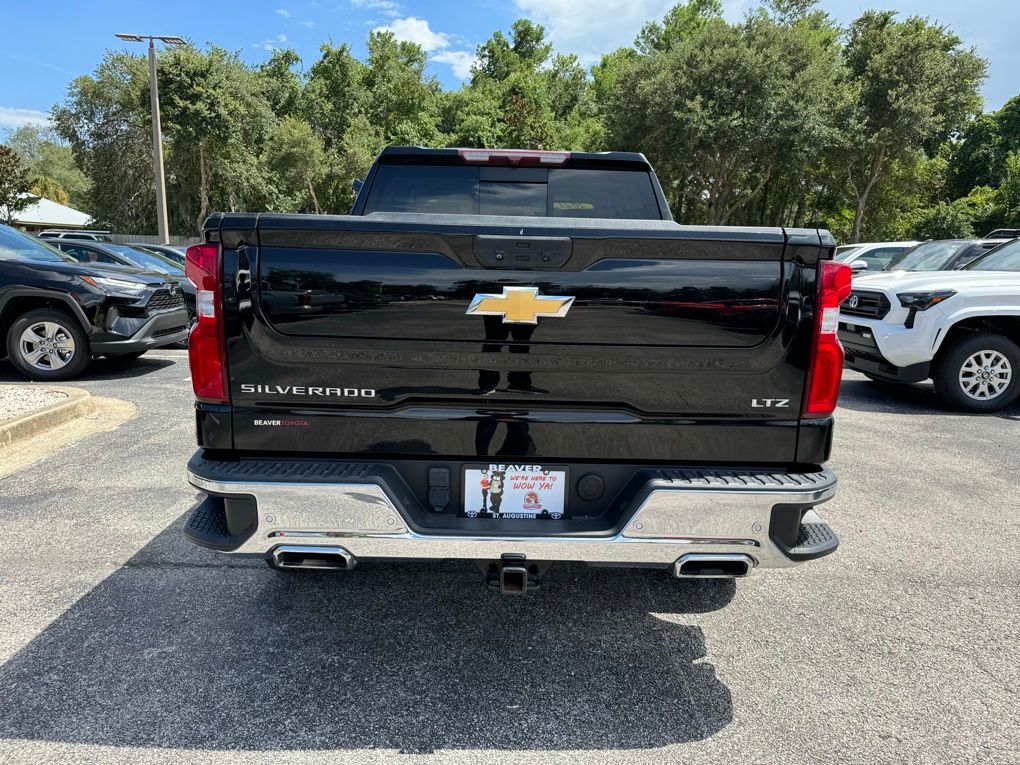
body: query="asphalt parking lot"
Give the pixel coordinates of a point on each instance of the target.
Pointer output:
(121, 642)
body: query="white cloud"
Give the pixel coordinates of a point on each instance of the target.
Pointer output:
(417, 31)
(308, 24)
(459, 60)
(388, 6)
(14, 118)
(272, 43)
(595, 27)
(283, 12)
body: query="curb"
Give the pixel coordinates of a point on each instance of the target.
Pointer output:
(77, 404)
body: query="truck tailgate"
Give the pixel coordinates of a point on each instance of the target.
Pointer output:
(650, 342)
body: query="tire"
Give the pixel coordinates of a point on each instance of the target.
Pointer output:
(48, 344)
(978, 372)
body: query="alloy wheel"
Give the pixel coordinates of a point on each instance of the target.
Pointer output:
(985, 375)
(46, 345)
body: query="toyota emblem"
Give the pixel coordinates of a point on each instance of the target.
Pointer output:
(853, 302)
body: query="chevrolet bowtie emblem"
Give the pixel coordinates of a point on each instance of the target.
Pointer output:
(520, 305)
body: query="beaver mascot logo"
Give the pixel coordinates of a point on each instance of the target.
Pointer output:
(496, 490)
(492, 491)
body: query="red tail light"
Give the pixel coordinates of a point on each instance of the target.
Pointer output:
(534, 158)
(826, 368)
(207, 344)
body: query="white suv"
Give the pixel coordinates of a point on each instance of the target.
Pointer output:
(871, 256)
(960, 328)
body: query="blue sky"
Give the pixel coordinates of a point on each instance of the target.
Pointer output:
(46, 44)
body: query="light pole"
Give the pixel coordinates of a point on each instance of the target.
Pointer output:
(157, 136)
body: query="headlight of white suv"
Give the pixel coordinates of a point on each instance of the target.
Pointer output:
(922, 301)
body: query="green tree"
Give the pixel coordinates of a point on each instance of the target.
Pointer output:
(279, 84)
(103, 119)
(1010, 190)
(980, 157)
(14, 185)
(510, 74)
(525, 113)
(335, 94)
(50, 165)
(401, 100)
(297, 160)
(914, 85)
(946, 220)
(527, 48)
(216, 121)
(50, 189)
(721, 109)
(334, 102)
(470, 116)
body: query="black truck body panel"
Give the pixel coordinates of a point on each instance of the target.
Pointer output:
(675, 335)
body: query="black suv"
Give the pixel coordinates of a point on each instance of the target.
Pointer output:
(109, 253)
(56, 314)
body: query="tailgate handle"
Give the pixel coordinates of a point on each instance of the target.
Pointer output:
(523, 252)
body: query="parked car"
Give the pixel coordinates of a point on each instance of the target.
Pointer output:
(535, 413)
(1003, 233)
(871, 256)
(176, 254)
(122, 254)
(959, 328)
(57, 314)
(942, 254)
(59, 233)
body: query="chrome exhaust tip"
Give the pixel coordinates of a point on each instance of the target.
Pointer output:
(712, 566)
(313, 557)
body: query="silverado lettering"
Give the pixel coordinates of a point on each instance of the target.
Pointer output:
(304, 390)
(560, 373)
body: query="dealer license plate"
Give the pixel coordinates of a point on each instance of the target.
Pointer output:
(514, 491)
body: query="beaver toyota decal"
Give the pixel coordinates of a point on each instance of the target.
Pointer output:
(514, 491)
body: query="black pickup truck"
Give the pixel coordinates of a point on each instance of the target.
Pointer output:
(516, 358)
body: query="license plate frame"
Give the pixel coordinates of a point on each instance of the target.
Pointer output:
(546, 485)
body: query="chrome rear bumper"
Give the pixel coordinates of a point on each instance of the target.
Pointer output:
(666, 524)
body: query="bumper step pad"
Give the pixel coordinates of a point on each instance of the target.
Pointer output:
(207, 525)
(289, 470)
(814, 540)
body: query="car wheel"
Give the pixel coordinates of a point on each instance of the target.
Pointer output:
(978, 372)
(48, 344)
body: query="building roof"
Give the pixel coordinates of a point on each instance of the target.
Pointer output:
(46, 212)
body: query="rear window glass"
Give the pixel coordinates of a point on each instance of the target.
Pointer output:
(479, 190)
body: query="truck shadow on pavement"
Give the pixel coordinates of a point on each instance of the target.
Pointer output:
(182, 649)
(100, 369)
(895, 398)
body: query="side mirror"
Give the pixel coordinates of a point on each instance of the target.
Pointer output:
(859, 265)
(357, 185)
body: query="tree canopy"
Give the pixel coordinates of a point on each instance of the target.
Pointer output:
(781, 118)
(14, 185)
